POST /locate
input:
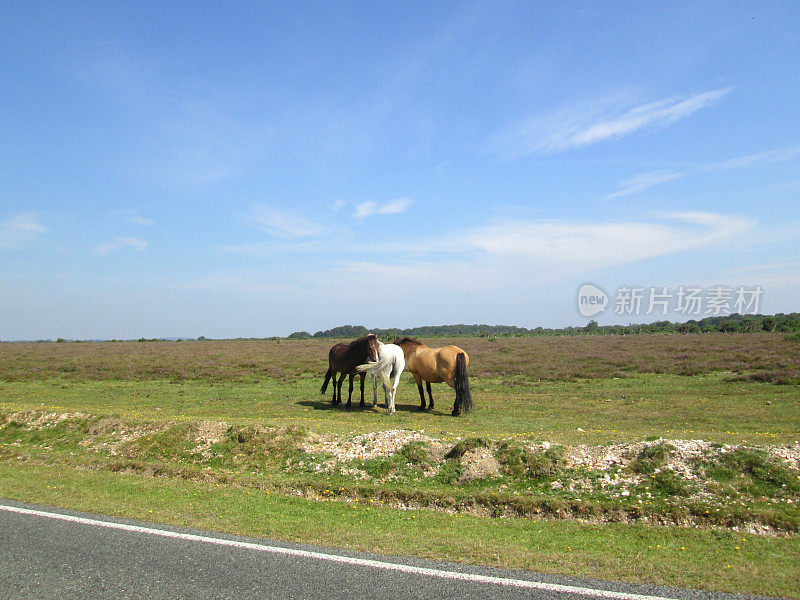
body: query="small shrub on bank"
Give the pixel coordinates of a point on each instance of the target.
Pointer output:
(670, 483)
(520, 461)
(171, 443)
(261, 446)
(756, 472)
(416, 453)
(651, 458)
(450, 472)
(464, 446)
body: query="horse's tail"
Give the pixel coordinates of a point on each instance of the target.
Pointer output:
(380, 367)
(327, 379)
(462, 383)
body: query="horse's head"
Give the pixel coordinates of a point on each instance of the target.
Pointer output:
(409, 346)
(406, 342)
(372, 347)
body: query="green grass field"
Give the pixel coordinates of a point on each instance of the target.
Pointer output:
(114, 428)
(622, 409)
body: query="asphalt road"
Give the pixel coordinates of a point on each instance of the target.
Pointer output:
(53, 553)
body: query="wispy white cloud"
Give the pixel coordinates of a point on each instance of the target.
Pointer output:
(762, 267)
(121, 243)
(597, 122)
(132, 217)
(498, 266)
(605, 244)
(779, 186)
(760, 158)
(656, 115)
(283, 224)
(505, 251)
(290, 245)
(370, 207)
(770, 276)
(541, 245)
(513, 254)
(137, 220)
(20, 231)
(642, 181)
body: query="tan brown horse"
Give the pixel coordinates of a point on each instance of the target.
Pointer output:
(344, 358)
(438, 365)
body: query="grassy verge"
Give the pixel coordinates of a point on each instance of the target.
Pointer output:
(686, 483)
(727, 561)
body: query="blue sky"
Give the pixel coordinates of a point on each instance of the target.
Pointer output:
(185, 169)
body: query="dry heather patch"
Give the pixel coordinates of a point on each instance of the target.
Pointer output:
(752, 356)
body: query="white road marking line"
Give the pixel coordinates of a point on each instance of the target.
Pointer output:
(519, 583)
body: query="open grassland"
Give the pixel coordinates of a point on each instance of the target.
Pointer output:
(591, 449)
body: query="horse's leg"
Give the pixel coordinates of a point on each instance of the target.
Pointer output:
(394, 387)
(339, 386)
(457, 404)
(350, 390)
(421, 393)
(362, 389)
(387, 394)
(428, 387)
(374, 390)
(333, 400)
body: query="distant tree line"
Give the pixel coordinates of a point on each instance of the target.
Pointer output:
(780, 323)
(786, 323)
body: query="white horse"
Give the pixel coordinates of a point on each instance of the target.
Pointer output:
(390, 364)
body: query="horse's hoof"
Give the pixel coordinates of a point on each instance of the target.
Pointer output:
(456, 413)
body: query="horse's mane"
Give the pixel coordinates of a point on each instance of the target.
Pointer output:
(409, 340)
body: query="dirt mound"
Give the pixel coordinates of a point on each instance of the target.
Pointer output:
(364, 447)
(479, 463)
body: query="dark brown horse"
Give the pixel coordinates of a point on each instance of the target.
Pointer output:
(344, 358)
